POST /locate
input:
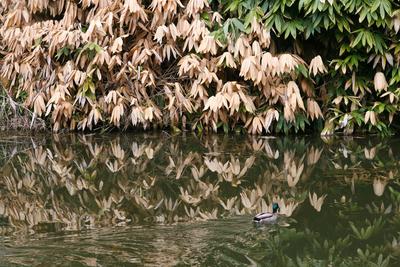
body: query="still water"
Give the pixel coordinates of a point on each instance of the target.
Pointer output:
(161, 200)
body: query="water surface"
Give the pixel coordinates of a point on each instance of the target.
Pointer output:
(157, 199)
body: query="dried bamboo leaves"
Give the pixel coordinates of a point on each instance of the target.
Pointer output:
(124, 62)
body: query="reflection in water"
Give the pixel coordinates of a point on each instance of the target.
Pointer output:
(79, 187)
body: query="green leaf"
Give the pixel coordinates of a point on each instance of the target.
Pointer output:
(238, 24)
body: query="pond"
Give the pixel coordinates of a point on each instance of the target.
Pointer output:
(161, 200)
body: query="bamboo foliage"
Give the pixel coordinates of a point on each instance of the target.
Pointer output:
(126, 63)
(255, 66)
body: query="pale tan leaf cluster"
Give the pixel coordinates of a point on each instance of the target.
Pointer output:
(380, 82)
(315, 201)
(317, 66)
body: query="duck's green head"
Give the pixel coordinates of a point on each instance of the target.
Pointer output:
(275, 207)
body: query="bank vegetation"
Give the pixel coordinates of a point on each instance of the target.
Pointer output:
(206, 65)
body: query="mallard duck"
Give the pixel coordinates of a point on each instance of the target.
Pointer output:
(267, 216)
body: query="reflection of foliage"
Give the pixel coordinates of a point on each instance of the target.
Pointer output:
(115, 185)
(161, 181)
(291, 247)
(368, 257)
(76, 182)
(371, 229)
